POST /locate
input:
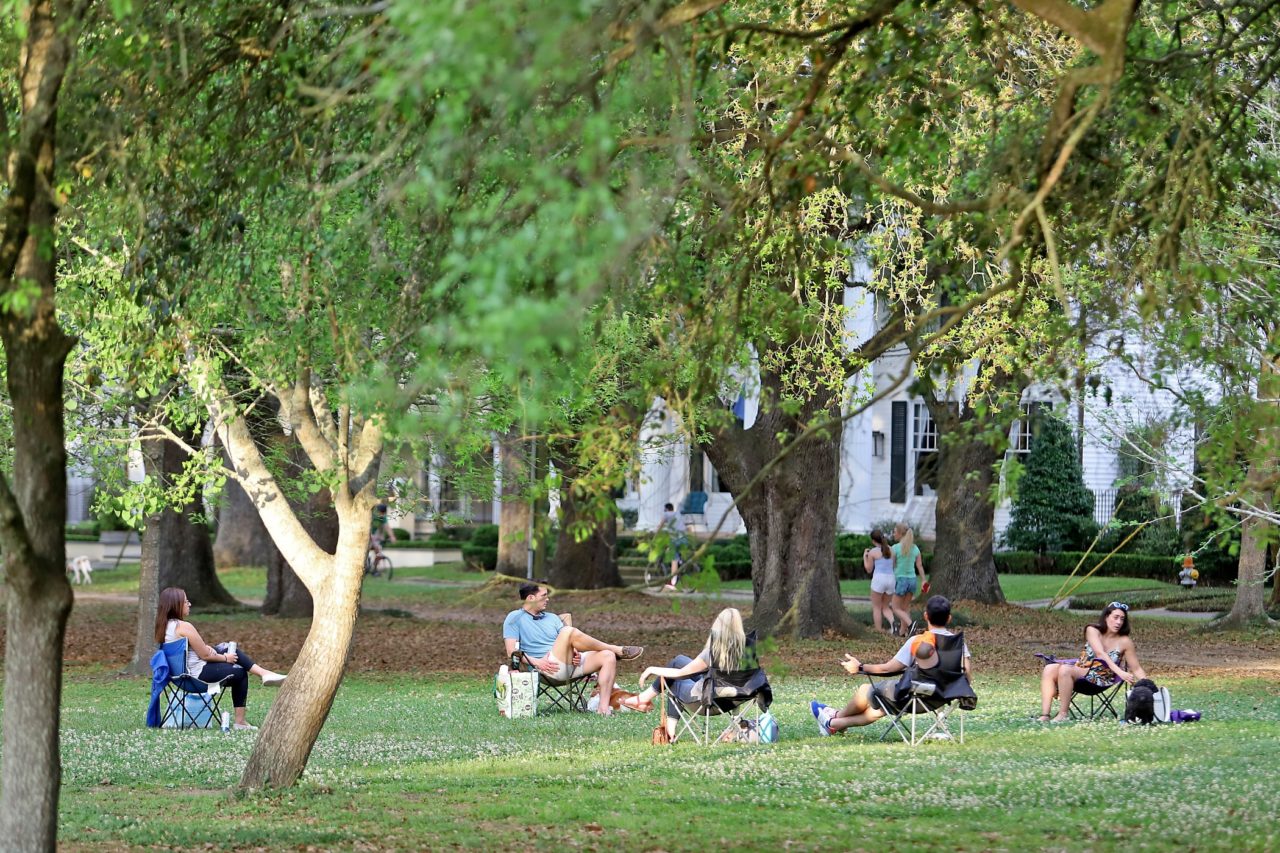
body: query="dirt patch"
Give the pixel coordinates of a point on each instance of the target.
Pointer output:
(465, 638)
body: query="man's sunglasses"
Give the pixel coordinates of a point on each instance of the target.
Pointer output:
(1119, 605)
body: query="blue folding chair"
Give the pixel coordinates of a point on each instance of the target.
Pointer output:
(188, 702)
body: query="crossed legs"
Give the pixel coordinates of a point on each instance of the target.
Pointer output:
(597, 656)
(858, 712)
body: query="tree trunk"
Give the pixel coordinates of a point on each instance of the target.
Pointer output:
(1250, 603)
(184, 553)
(790, 515)
(33, 513)
(593, 562)
(291, 728)
(144, 638)
(513, 525)
(962, 566)
(287, 595)
(242, 539)
(1260, 486)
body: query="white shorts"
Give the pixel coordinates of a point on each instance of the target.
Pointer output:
(882, 582)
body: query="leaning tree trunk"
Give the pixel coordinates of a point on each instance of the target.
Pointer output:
(963, 566)
(591, 563)
(291, 728)
(513, 523)
(790, 515)
(33, 512)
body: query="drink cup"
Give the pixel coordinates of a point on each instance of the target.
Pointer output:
(231, 649)
(226, 721)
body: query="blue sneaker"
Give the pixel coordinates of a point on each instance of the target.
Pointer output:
(823, 714)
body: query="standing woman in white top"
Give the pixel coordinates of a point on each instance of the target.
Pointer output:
(878, 561)
(210, 664)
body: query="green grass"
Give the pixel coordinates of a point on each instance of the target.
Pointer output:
(250, 583)
(1015, 587)
(425, 763)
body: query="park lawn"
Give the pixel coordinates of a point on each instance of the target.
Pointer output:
(250, 583)
(415, 763)
(1015, 587)
(414, 584)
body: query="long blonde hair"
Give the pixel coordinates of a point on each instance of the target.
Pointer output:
(728, 641)
(906, 539)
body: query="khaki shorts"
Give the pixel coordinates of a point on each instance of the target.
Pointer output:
(565, 673)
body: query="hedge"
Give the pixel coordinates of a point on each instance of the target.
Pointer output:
(1118, 565)
(482, 549)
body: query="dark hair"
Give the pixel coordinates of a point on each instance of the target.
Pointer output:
(168, 606)
(1101, 624)
(938, 610)
(877, 538)
(529, 588)
(669, 507)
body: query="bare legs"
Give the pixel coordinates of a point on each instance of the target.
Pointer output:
(881, 609)
(858, 712)
(902, 610)
(1058, 680)
(598, 657)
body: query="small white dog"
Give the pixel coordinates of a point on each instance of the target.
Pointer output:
(81, 569)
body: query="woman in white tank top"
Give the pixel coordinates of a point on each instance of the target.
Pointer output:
(878, 561)
(210, 664)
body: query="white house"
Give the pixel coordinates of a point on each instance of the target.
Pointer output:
(886, 449)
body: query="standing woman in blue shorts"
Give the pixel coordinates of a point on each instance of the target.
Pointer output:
(908, 575)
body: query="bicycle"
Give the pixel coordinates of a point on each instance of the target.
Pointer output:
(376, 562)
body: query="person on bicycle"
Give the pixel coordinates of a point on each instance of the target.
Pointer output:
(673, 525)
(379, 532)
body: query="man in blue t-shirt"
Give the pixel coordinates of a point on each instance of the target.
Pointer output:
(560, 651)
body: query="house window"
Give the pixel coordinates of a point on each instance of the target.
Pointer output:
(1024, 429)
(924, 446)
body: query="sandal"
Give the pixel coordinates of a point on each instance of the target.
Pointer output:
(633, 703)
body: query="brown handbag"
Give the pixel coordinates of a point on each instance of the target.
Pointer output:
(660, 735)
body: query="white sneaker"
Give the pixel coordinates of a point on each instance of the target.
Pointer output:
(275, 679)
(245, 727)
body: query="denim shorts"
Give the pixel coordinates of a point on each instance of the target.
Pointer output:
(905, 586)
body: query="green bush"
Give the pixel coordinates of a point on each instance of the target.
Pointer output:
(1118, 566)
(485, 534)
(1052, 510)
(849, 548)
(400, 534)
(480, 556)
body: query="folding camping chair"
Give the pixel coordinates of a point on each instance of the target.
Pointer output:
(568, 695)
(189, 703)
(935, 694)
(723, 693)
(1101, 697)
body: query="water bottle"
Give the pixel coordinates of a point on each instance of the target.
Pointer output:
(231, 649)
(226, 721)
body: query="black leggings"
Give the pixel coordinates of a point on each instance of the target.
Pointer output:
(215, 671)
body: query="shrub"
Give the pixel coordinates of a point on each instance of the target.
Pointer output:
(630, 517)
(1118, 566)
(400, 534)
(849, 548)
(1053, 510)
(480, 556)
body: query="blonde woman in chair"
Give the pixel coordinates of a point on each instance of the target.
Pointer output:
(726, 647)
